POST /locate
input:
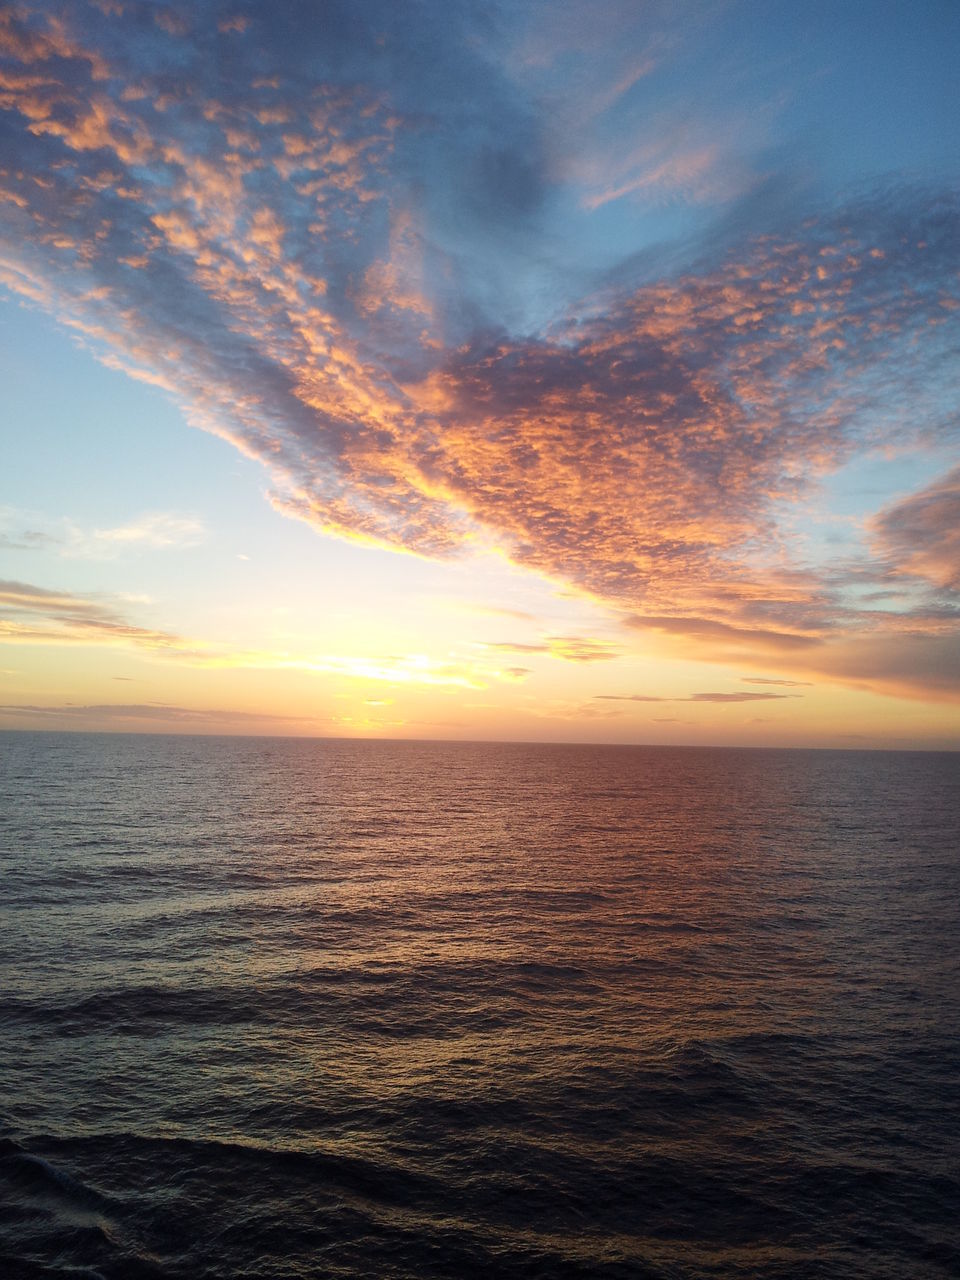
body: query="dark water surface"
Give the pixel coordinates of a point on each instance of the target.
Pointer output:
(301, 1008)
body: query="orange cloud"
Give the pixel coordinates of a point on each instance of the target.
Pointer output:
(37, 615)
(736, 696)
(920, 535)
(158, 717)
(266, 254)
(568, 648)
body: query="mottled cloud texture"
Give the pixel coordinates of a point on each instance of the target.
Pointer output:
(311, 226)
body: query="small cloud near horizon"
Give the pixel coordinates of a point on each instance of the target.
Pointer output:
(697, 697)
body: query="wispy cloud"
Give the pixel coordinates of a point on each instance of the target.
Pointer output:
(24, 531)
(567, 648)
(500, 611)
(771, 680)
(660, 170)
(154, 531)
(135, 715)
(736, 696)
(920, 535)
(26, 540)
(37, 615)
(31, 614)
(403, 669)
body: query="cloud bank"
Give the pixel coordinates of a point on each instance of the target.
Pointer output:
(313, 229)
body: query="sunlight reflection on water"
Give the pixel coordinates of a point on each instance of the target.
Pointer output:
(335, 1008)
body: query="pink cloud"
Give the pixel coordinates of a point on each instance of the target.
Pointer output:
(265, 246)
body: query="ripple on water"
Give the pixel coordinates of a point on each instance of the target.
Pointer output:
(295, 1009)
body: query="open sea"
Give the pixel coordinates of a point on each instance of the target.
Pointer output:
(276, 1008)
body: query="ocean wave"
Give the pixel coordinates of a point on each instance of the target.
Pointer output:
(330, 1031)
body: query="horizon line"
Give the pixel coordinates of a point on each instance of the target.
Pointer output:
(476, 742)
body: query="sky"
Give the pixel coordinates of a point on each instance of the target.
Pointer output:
(568, 370)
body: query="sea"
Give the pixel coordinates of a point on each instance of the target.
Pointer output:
(277, 1008)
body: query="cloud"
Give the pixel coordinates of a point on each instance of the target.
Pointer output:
(771, 680)
(516, 646)
(31, 614)
(568, 648)
(578, 649)
(498, 611)
(323, 239)
(723, 633)
(153, 714)
(37, 615)
(20, 531)
(589, 63)
(920, 535)
(157, 531)
(697, 697)
(741, 697)
(919, 662)
(912, 653)
(660, 169)
(397, 669)
(27, 540)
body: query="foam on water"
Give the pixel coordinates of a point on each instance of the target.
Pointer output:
(291, 1009)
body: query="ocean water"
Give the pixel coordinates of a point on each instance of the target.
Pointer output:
(274, 1008)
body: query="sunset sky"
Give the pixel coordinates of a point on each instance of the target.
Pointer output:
(575, 371)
